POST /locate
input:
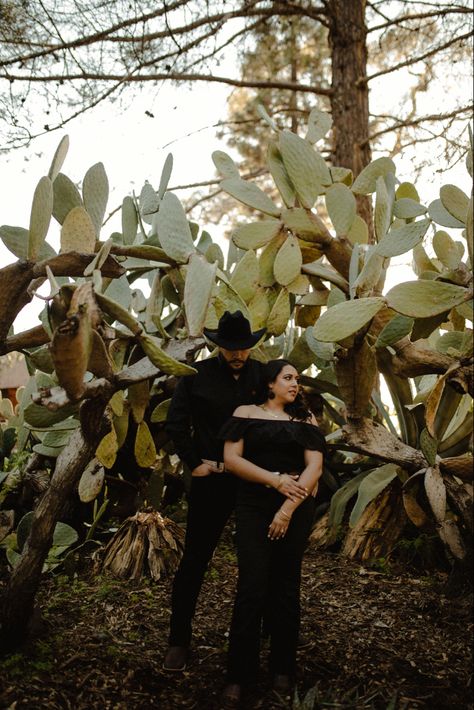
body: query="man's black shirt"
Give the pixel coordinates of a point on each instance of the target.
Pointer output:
(203, 402)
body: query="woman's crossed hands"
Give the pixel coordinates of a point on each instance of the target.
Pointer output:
(288, 485)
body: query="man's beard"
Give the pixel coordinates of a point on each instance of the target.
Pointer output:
(236, 364)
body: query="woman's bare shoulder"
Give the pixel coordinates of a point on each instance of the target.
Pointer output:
(243, 411)
(246, 411)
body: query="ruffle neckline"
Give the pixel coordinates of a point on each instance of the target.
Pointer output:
(283, 430)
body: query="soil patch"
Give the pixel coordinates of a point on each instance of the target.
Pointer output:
(389, 640)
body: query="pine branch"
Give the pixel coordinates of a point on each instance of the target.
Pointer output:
(97, 36)
(109, 35)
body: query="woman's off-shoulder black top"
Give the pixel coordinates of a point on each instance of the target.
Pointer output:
(276, 445)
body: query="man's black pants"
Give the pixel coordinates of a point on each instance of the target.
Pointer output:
(269, 585)
(211, 501)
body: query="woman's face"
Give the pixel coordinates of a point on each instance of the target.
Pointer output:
(286, 384)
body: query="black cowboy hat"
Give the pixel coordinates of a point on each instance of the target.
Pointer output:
(234, 333)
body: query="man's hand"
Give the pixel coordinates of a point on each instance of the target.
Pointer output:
(288, 485)
(202, 470)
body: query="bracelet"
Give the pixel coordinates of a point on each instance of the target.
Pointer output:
(268, 485)
(288, 517)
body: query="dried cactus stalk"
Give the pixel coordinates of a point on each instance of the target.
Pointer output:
(146, 543)
(379, 526)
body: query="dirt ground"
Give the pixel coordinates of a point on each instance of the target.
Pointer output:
(379, 639)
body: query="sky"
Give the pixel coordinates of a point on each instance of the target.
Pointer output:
(133, 147)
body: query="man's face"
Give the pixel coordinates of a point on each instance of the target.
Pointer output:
(236, 359)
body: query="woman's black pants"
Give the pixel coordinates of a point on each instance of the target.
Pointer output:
(211, 501)
(268, 585)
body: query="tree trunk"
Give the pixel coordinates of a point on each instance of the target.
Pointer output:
(17, 603)
(18, 600)
(350, 97)
(293, 78)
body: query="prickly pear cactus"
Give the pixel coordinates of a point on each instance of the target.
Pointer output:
(412, 333)
(307, 268)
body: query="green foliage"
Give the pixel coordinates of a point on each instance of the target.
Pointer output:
(224, 164)
(370, 487)
(40, 217)
(319, 123)
(254, 236)
(306, 168)
(249, 194)
(341, 498)
(64, 537)
(396, 329)
(341, 207)
(423, 299)
(95, 193)
(402, 239)
(288, 261)
(173, 229)
(316, 285)
(366, 182)
(346, 318)
(200, 278)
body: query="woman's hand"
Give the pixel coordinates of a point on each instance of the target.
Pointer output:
(288, 485)
(279, 525)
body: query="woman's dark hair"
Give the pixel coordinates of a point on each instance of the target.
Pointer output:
(297, 409)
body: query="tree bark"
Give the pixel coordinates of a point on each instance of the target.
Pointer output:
(415, 359)
(18, 600)
(16, 282)
(350, 93)
(31, 338)
(367, 437)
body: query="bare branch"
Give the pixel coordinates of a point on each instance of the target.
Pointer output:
(372, 439)
(417, 121)
(99, 98)
(110, 34)
(419, 58)
(54, 398)
(246, 176)
(396, 21)
(98, 36)
(27, 339)
(171, 76)
(202, 199)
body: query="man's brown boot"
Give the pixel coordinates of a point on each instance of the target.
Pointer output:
(282, 684)
(176, 658)
(231, 696)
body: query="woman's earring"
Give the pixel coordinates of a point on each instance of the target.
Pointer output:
(271, 394)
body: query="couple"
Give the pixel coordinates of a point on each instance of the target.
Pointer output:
(251, 443)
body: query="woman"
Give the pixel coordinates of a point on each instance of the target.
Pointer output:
(276, 450)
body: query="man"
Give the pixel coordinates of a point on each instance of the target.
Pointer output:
(200, 405)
